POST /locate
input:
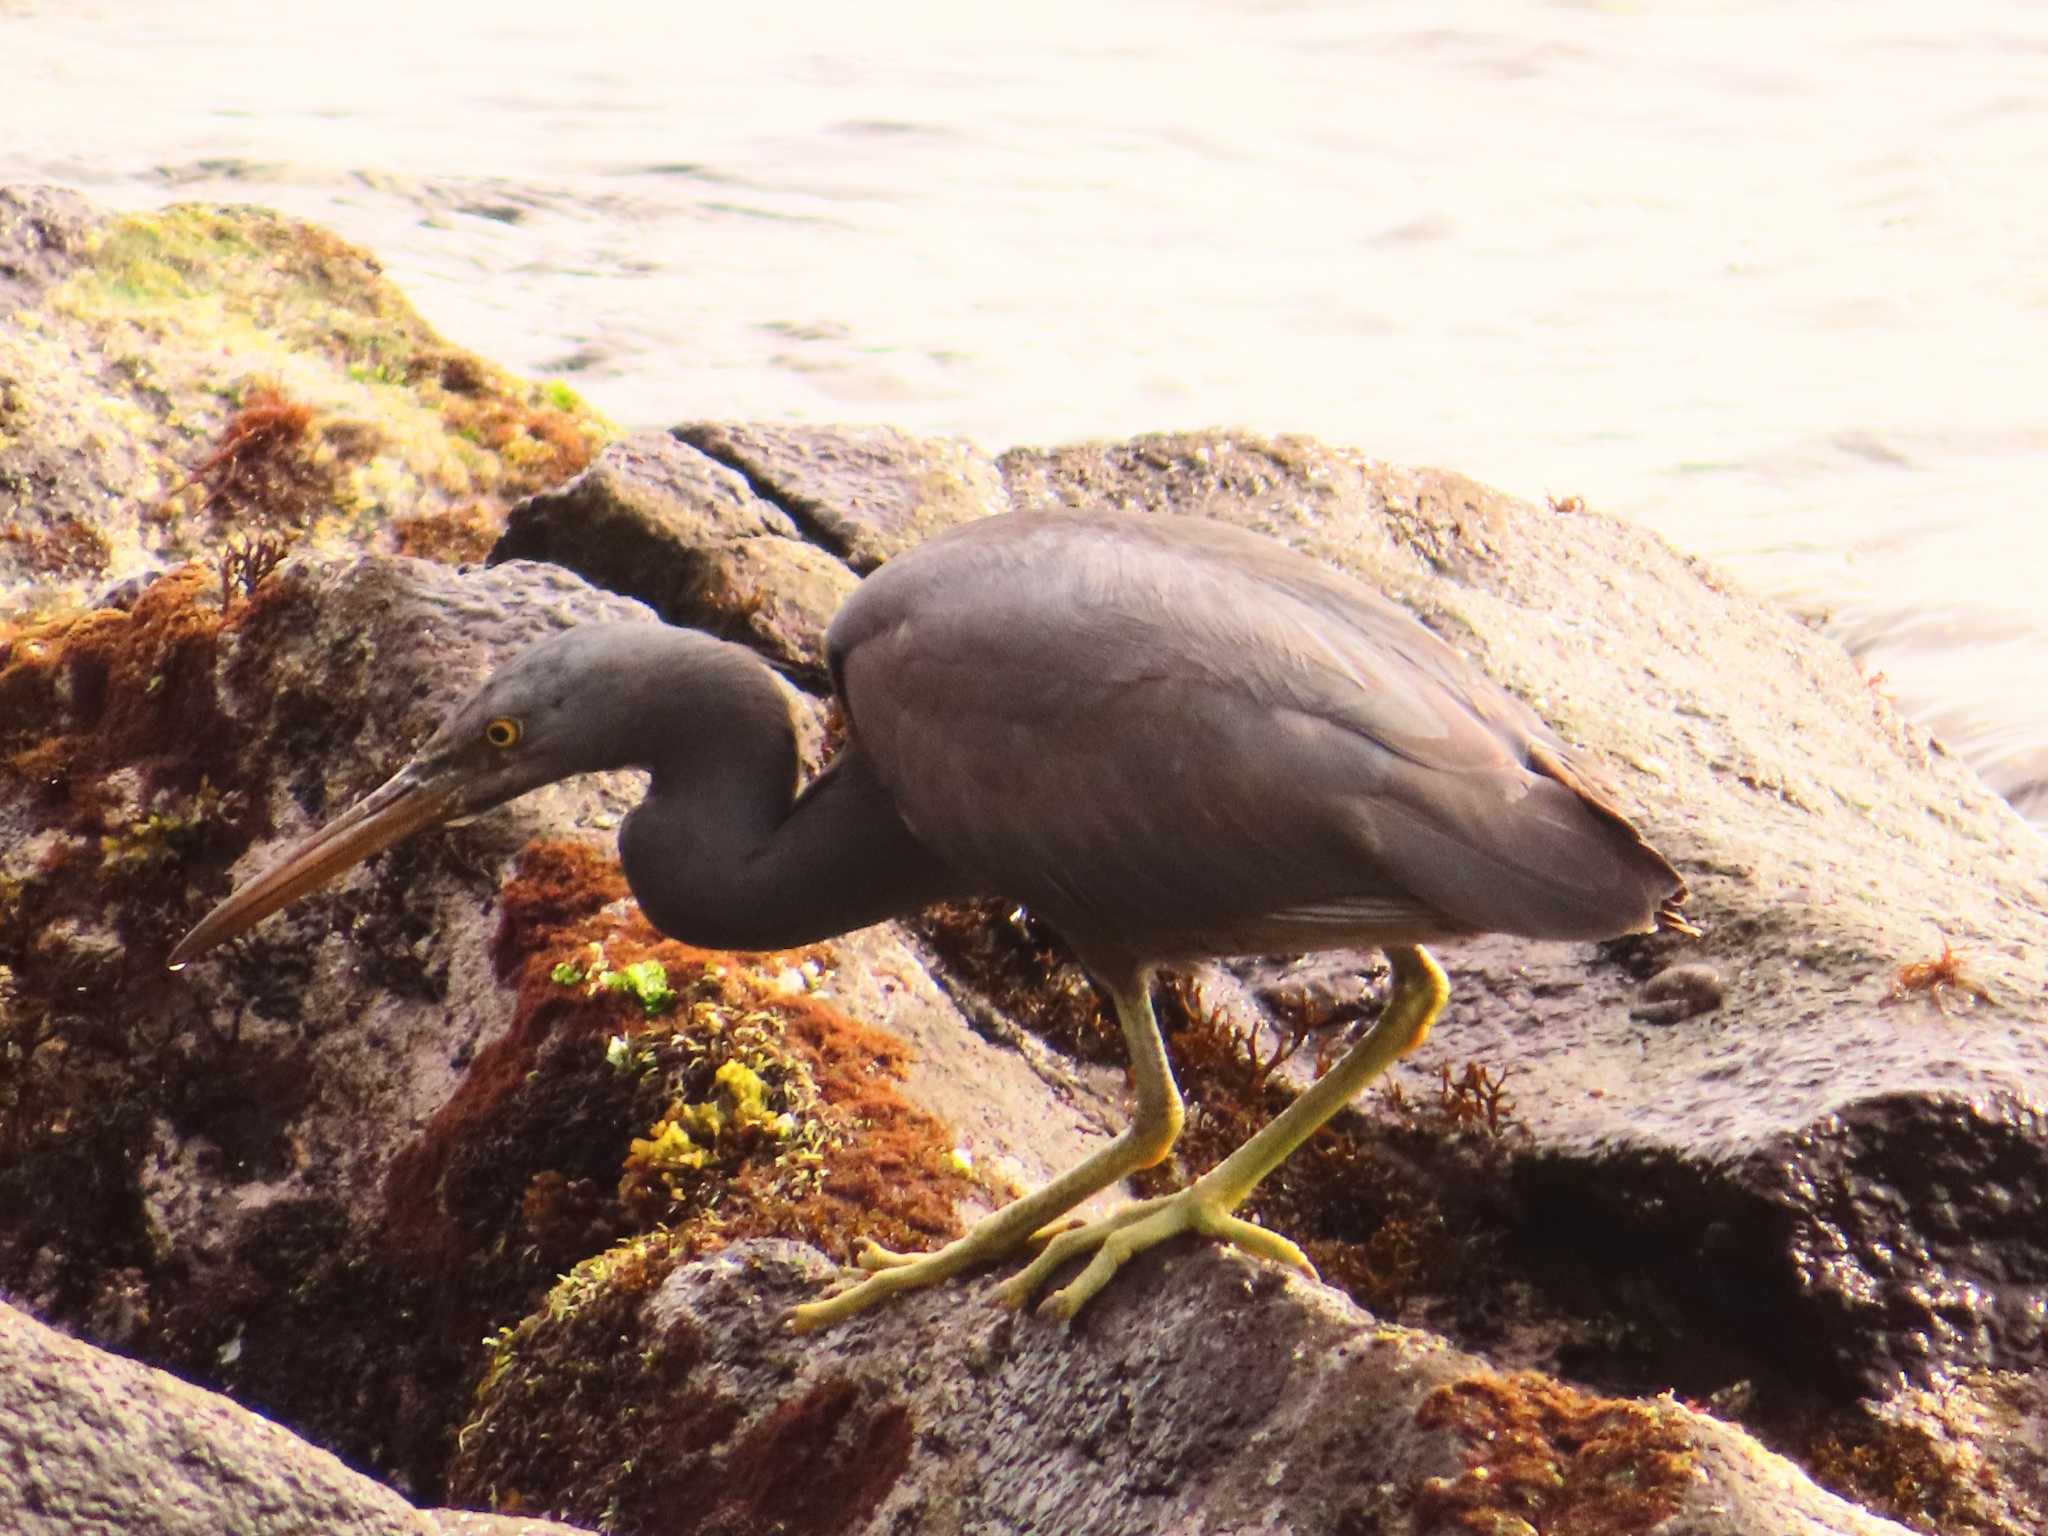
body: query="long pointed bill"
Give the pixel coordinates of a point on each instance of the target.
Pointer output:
(405, 803)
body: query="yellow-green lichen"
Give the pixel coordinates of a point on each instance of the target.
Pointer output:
(647, 981)
(294, 280)
(688, 1136)
(166, 258)
(737, 1095)
(562, 398)
(162, 837)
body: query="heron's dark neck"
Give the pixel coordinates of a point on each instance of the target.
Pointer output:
(724, 854)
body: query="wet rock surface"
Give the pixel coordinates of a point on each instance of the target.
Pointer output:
(315, 1170)
(863, 493)
(1792, 1171)
(96, 1443)
(1830, 850)
(1204, 1392)
(44, 235)
(657, 520)
(197, 1163)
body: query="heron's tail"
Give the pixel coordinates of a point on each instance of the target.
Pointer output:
(1569, 772)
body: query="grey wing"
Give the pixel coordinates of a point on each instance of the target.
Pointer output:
(1153, 732)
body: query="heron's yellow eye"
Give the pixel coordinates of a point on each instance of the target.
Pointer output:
(502, 732)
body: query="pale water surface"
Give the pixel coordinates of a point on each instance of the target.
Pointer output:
(1772, 278)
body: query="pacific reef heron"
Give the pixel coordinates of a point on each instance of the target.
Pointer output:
(1167, 737)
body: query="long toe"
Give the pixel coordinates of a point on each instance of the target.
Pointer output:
(1119, 1237)
(889, 1272)
(1069, 1244)
(882, 1283)
(874, 1258)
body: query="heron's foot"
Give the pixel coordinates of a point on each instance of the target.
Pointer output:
(1123, 1234)
(890, 1271)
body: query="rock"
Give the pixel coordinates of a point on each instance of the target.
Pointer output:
(173, 378)
(212, 1171)
(95, 1443)
(1680, 992)
(1203, 1392)
(321, 1169)
(863, 493)
(346, 1114)
(1827, 844)
(44, 236)
(655, 519)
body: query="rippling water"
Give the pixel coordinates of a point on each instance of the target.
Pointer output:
(1772, 278)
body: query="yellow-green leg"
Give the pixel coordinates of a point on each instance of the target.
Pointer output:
(1417, 996)
(1155, 1124)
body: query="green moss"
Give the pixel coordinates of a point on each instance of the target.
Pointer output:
(378, 373)
(561, 397)
(178, 296)
(248, 261)
(168, 257)
(732, 1095)
(646, 980)
(688, 1136)
(159, 839)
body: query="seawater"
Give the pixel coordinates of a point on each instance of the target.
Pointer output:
(1771, 278)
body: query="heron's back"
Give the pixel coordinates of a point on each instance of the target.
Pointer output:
(1170, 736)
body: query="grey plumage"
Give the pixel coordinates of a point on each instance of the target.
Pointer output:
(1173, 738)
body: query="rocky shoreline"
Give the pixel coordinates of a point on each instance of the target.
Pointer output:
(1661, 1234)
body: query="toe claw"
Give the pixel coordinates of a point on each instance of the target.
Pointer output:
(1045, 1234)
(874, 1258)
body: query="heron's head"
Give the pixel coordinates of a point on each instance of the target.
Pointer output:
(566, 706)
